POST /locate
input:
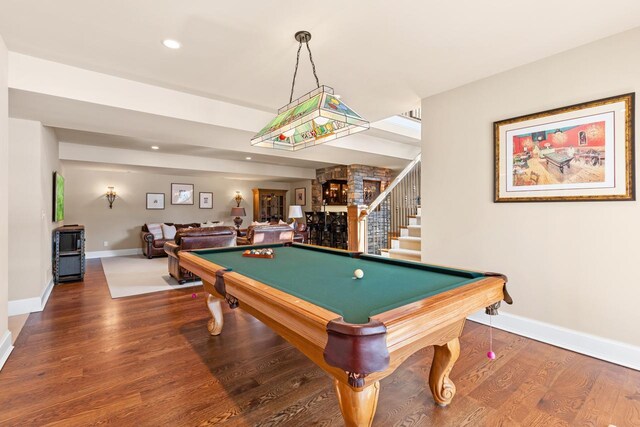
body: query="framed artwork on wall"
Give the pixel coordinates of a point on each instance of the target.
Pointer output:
(206, 200)
(582, 152)
(300, 196)
(182, 194)
(370, 190)
(155, 200)
(58, 197)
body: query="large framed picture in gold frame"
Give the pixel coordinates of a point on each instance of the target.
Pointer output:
(583, 152)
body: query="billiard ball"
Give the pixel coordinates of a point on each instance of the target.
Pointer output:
(358, 274)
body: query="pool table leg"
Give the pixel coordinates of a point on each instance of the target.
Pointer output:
(358, 407)
(444, 357)
(215, 323)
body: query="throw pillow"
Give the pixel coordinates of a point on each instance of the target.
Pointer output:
(209, 224)
(169, 231)
(156, 230)
(254, 223)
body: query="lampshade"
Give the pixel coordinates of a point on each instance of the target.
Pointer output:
(295, 211)
(238, 212)
(314, 118)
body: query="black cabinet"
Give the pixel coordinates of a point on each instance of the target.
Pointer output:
(68, 253)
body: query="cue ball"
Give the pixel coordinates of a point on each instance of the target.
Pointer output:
(358, 274)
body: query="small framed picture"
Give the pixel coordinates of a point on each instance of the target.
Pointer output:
(301, 196)
(155, 200)
(182, 194)
(206, 200)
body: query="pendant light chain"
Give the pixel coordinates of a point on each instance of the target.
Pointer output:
(313, 67)
(293, 83)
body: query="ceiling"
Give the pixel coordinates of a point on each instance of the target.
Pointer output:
(134, 143)
(382, 57)
(110, 167)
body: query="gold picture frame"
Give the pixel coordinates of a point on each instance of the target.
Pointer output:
(583, 152)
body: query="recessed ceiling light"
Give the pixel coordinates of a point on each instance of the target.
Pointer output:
(248, 158)
(171, 44)
(155, 147)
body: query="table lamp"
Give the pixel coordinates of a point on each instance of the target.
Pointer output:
(238, 212)
(295, 212)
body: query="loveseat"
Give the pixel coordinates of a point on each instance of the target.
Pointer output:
(195, 238)
(260, 234)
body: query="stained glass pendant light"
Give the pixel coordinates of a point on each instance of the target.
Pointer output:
(314, 118)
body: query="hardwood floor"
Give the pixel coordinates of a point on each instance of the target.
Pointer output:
(149, 361)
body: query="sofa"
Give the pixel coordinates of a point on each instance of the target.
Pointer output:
(195, 238)
(261, 234)
(153, 247)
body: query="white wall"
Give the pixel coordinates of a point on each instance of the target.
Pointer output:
(49, 163)
(24, 209)
(85, 203)
(5, 335)
(32, 160)
(570, 264)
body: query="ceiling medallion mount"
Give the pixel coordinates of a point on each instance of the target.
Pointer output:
(303, 36)
(314, 118)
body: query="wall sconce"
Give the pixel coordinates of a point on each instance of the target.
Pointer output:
(111, 196)
(238, 198)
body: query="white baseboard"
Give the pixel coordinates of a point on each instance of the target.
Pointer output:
(601, 348)
(31, 305)
(5, 347)
(117, 252)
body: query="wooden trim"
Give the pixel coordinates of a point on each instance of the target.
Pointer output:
(6, 347)
(352, 227)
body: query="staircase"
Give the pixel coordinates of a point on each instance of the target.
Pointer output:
(390, 225)
(407, 245)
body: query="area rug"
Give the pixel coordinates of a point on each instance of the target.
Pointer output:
(136, 275)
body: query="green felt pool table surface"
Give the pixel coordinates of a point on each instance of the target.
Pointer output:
(324, 277)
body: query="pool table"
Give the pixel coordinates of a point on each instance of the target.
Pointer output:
(357, 330)
(559, 159)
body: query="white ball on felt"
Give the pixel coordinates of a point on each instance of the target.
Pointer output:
(358, 274)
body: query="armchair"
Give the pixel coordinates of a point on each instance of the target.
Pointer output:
(301, 234)
(260, 234)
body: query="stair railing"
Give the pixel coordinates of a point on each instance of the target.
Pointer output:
(371, 228)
